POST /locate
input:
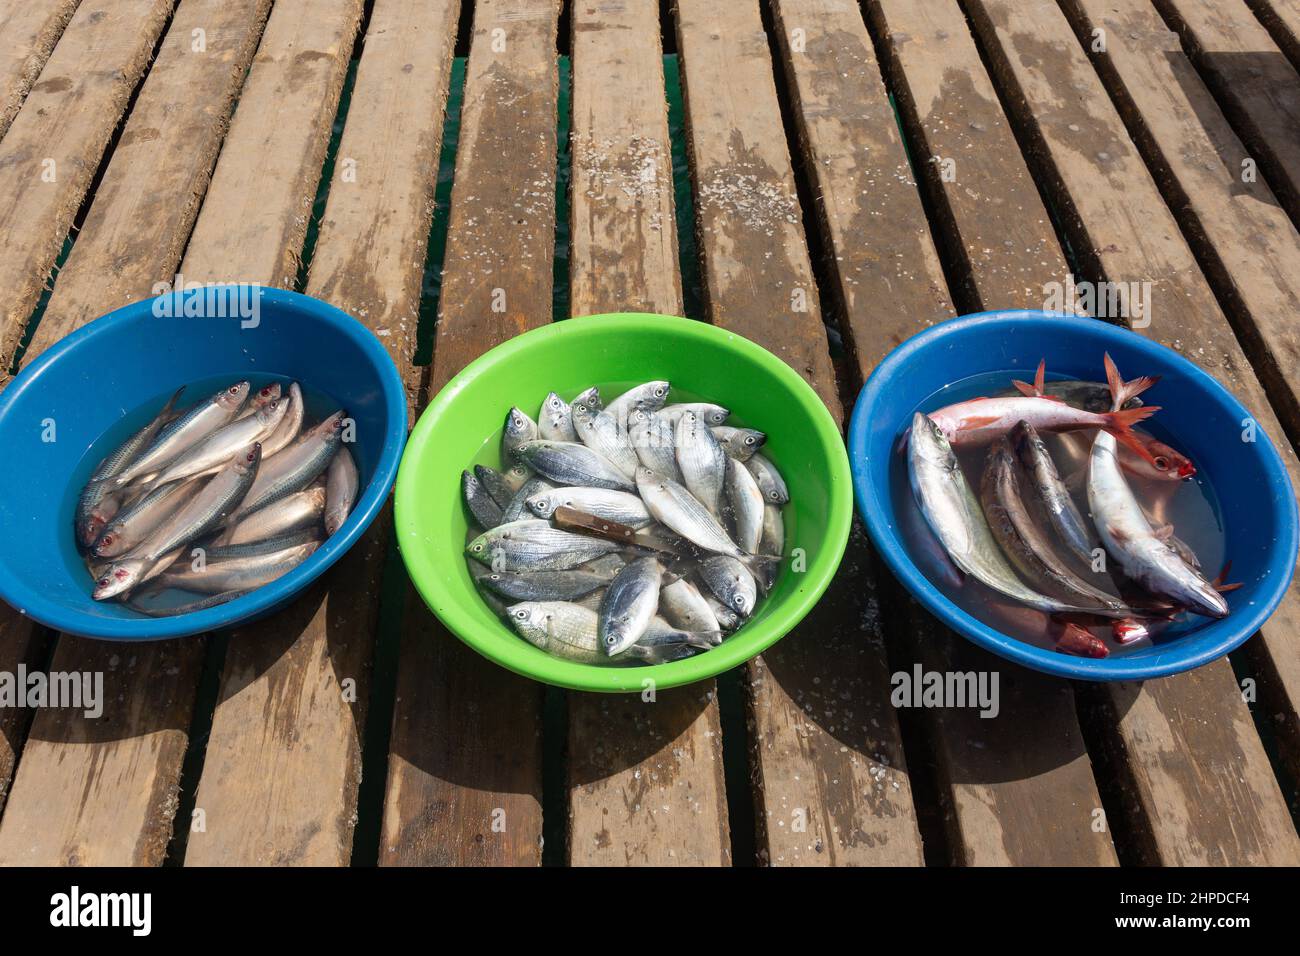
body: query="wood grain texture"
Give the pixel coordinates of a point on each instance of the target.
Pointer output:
(113, 782)
(1215, 799)
(279, 135)
(146, 203)
(285, 791)
(1019, 787)
(54, 145)
(645, 777)
(832, 786)
(1282, 20)
(465, 763)
(1248, 247)
(28, 31)
(1257, 85)
(103, 792)
(22, 644)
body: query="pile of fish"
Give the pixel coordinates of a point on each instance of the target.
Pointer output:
(216, 500)
(1023, 535)
(638, 531)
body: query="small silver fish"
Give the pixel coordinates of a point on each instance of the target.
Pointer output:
(134, 524)
(185, 432)
(555, 420)
(290, 425)
(495, 484)
(707, 412)
(654, 441)
(294, 468)
(533, 545)
(259, 400)
(546, 585)
(206, 456)
(773, 541)
(481, 504)
(650, 397)
(299, 510)
(746, 505)
(683, 606)
(607, 436)
(731, 583)
(570, 631)
(341, 486)
(702, 461)
(572, 463)
(769, 479)
(629, 604)
(518, 507)
(620, 506)
(217, 576)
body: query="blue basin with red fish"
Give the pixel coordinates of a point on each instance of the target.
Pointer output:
(1252, 503)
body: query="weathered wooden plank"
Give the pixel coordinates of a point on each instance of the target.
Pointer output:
(103, 791)
(1257, 85)
(28, 32)
(1019, 786)
(287, 792)
(112, 799)
(828, 763)
(465, 765)
(1282, 20)
(280, 133)
(645, 778)
(147, 201)
(1212, 798)
(54, 146)
(1248, 247)
(22, 644)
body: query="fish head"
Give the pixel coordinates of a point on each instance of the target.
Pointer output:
(266, 395)
(232, 399)
(543, 504)
(481, 548)
(107, 544)
(332, 427)
(519, 426)
(334, 519)
(656, 393)
(90, 529)
(617, 634)
(928, 441)
(270, 412)
(716, 416)
(529, 619)
(1166, 463)
(118, 578)
(645, 478)
(589, 397)
(748, 440)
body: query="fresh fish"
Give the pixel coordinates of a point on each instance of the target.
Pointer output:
(533, 545)
(208, 455)
(1088, 396)
(263, 397)
(238, 574)
(606, 564)
(707, 412)
(202, 604)
(1124, 528)
(649, 397)
(481, 504)
(519, 428)
(702, 461)
(294, 468)
(572, 463)
(683, 606)
(1158, 461)
(731, 583)
(1024, 545)
(555, 420)
(607, 436)
(672, 505)
(518, 507)
(738, 443)
(769, 479)
(98, 505)
(341, 484)
(660, 632)
(546, 585)
(495, 484)
(746, 505)
(1051, 499)
(979, 421)
(727, 619)
(253, 549)
(653, 439)
(620, 506)
(200, 514)
(134, 524)
(773, 541)
(954, 515)
(290, 425)
(301, 509)
(589, 397)
(629, 604)
(185, 432)
(570, 631)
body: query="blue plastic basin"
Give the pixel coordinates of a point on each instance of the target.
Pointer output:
(1257, 501)
(81, 388)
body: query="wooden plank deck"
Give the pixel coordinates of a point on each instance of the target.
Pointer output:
(819, 138)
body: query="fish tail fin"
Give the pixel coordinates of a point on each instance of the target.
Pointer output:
(1120, 424)
(764, 568)
(1222, 576)
(171, 402)
(1024, 388)
(1121, 392)
(1040, 377)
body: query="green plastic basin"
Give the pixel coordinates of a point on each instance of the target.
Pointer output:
(462, 427)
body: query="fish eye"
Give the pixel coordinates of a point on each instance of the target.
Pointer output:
(611, 640)
(660, 391)
(104, 582)
(521, 614)
(749, 439)
(233, 390)
(476, 547)
(1162, 462)
(774, 496)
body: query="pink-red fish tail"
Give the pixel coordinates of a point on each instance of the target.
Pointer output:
(1120, 424)
(1121, 392)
